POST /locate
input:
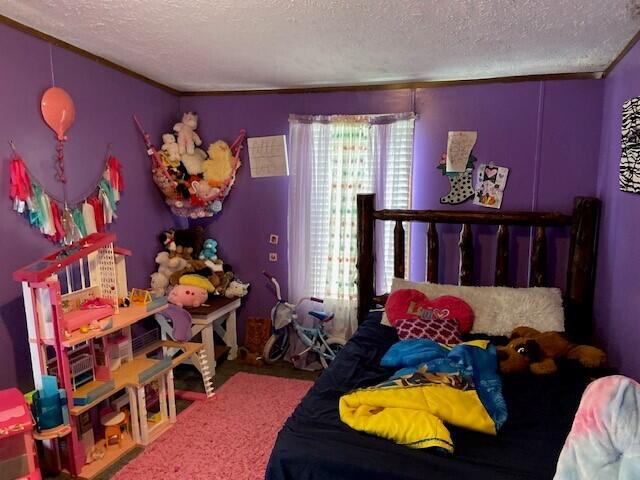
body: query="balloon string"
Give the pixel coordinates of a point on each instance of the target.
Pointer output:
(60, 175)
(53, 77)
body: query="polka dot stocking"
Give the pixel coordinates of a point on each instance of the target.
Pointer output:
(461, 188)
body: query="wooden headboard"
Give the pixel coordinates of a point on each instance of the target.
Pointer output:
(579, 287)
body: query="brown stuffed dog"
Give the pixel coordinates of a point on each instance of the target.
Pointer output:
(537, 351)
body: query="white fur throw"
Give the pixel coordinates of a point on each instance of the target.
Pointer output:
(498, 310)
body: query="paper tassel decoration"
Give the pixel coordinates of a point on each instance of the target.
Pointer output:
(63, 223)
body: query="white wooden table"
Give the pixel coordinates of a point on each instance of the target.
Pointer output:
(219, 317)
(221, 320)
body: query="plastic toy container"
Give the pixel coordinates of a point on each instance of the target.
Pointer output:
(47, 410)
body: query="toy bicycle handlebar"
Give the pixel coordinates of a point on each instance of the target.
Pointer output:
(277, 286)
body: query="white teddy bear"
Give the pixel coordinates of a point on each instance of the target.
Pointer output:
(170, 147)
(167, 266)
(194, 162)
(187, 137)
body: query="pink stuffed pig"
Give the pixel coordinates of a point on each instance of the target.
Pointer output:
(188, 296)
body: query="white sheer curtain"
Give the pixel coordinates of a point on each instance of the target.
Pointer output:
(332, 159)
(391, 146)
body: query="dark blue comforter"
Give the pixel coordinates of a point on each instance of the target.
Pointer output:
(315, 444)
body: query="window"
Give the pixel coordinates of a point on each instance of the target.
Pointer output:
(333, 159)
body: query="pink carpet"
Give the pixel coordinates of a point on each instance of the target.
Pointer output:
(228, 437)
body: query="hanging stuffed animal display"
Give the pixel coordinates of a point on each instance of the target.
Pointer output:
(193, 180)
(460, 184)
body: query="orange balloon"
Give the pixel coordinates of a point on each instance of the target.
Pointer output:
(58, 110)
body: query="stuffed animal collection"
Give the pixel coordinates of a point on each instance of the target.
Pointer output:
(189, 266)
(195, 181)
(537, 352)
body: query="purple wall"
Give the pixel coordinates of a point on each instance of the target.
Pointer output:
(104, 101)
(533, 128)
(538, 130)
(618, 283)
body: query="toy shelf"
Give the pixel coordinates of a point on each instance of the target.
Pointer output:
(52, 433)
(128, 374)
(126, 317)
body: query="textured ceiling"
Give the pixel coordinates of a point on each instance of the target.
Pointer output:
(263, 44)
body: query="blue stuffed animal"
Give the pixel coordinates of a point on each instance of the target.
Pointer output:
(209, 250)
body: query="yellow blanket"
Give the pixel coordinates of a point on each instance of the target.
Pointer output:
(412, 408)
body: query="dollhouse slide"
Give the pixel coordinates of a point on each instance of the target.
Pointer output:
(100, 389)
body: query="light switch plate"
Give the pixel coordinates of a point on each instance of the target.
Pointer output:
(273, 257)
(274, 239)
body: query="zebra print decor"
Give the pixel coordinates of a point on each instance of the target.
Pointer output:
(630, 158)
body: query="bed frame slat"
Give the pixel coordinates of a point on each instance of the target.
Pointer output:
(581, 272)
(398, 250)
(538, 266)
(465, 276)
(433, 254)
(365, 259)
(502, 256)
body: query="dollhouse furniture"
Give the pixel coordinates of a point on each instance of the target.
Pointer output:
(112, 423)
(18, 458)
(100, 363)
(219, 316)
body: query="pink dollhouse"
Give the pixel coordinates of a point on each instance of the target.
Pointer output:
(118, 389)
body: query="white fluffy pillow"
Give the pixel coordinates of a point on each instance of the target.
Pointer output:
(498, 310)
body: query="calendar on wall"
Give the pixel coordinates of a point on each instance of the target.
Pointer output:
(268, 156)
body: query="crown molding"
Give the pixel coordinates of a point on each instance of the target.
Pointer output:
(621, 55)
(86, 54)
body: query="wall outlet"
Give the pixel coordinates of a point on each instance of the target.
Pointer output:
(273, 257)
(274, 239)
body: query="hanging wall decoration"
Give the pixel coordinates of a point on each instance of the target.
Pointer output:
(461, 187)
(630, 157)
(193, 181)
(57, 218)
(490, 185)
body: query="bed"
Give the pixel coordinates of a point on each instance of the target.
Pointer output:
(315, 444)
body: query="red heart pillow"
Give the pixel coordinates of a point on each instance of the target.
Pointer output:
(411, 304)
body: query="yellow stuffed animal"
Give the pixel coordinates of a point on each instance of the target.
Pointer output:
(219, 166)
